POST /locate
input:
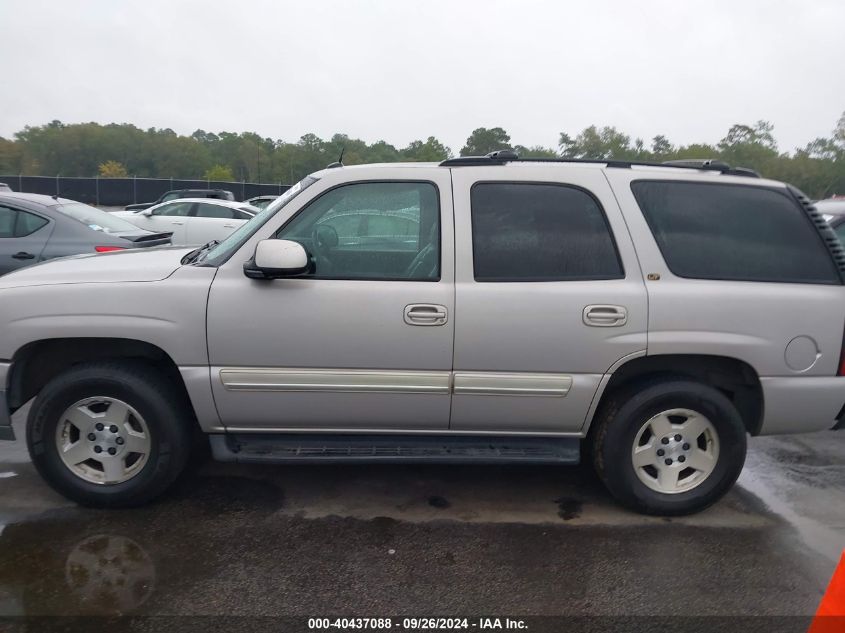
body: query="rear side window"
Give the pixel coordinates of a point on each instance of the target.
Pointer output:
(733, 232)
(540, 232)
(28, 223)
(15, 223)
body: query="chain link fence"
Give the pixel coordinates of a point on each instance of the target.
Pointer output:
(118, 192)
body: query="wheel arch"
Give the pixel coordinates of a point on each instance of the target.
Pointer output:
(38, 362)
(735, 378)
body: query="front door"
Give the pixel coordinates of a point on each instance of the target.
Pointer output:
(549, 297)
(362, 343)
(167, 218)
(212, 222)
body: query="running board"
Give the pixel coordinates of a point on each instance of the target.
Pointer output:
(314, 448)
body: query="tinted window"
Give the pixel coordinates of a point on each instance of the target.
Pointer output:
(28, 223)
(170, 196)
(540, 232)
(214, 211)
(378, 230)
(733, 232)
(178, 209)
(7, 222)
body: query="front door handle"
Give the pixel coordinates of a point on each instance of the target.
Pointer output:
(426, 314)
(23, 255)
(605, 316)
(179, 222)
(228, 226)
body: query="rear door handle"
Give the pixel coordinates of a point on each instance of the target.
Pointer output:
(605, 315)
(228, 226)
(177, 222)
(23, 255)
(426, 314)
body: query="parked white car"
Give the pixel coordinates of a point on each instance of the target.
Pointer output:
(193, 221)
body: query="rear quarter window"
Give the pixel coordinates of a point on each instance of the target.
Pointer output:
(734, 233)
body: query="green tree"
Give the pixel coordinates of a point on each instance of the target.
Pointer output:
(535, 151)
(660, 146)
(429, 151)
(484, 140)
(594, 143)
(112, 169)
(219, 173)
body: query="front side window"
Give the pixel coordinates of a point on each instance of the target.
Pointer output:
(174, 209)
(214, 211)
(7, 222)
(540, 232)
(733, 232)
(372, 230)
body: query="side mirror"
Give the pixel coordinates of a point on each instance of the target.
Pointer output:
(276, 259)
(147, 212)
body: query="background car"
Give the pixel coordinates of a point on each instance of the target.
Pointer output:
(4, 187)
(215, 194)
(192, 220)
(35, 227)
(833, 210)
(260, 202)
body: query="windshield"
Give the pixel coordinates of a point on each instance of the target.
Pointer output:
(96, 219)
(222, 251)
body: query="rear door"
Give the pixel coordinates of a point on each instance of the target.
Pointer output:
(23, 236)
(549, 296)
(213, 222)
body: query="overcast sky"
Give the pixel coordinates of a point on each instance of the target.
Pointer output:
(399, 70)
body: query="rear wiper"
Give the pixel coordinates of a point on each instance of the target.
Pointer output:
(195, 255)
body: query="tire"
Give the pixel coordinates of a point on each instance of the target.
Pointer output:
(632, 425)
(157, 428)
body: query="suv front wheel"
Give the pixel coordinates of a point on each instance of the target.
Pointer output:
(671, 447)
(109, 434)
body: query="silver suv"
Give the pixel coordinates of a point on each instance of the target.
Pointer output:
(488, 309)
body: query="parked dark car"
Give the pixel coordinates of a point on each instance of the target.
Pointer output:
(34, 228)
(217, 194)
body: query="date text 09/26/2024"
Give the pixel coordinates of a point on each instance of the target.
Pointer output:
(417, 624)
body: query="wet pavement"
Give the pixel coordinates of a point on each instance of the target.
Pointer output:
(426, 540)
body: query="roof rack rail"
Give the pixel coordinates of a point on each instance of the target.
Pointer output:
(504, 156)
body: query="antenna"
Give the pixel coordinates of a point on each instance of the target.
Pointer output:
(339, 162)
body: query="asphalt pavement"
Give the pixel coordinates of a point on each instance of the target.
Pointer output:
(373, 541)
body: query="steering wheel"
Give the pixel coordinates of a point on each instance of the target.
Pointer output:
(323, 240)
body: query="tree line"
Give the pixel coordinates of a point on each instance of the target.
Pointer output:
(119, 150)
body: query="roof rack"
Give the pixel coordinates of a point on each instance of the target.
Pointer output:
(504, 156)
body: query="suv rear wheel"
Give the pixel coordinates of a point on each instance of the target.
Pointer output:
(670, 447)
(109, 434)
